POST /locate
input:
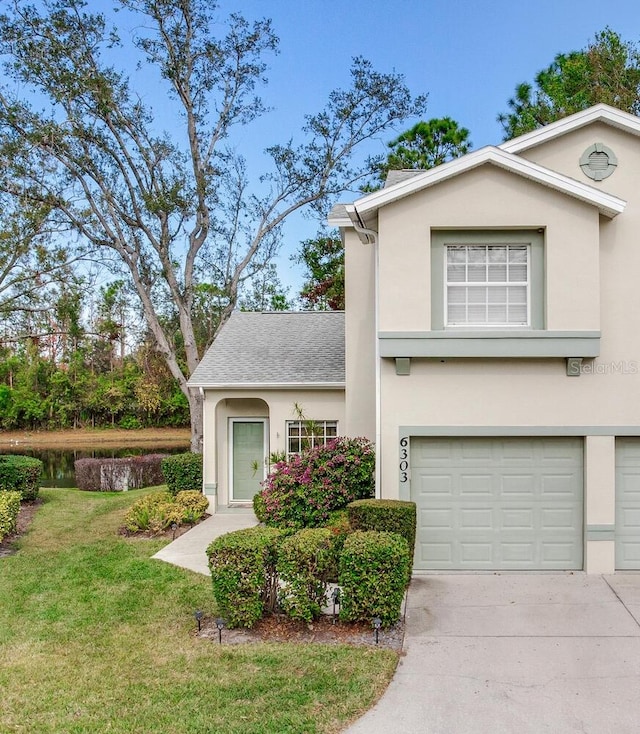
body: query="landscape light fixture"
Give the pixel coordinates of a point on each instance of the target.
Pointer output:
(377, 623)
(335, 596)
(174, 527)
(198, 615)
(220, 623)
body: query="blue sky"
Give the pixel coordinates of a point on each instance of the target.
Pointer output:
(468, 55)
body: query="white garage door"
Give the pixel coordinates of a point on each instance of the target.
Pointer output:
(498, 503)
(628, 503)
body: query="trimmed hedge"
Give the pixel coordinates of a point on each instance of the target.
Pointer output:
(391, 516)
(118, 475)
(304, 564)
(9, 509)
(243, 572)
(182, 472)
(20, 474)
(158, 511)
(305, 490)
(374, 572)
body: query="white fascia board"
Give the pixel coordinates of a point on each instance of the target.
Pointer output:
(599, 113)
(339, 221)
(269, 386)
(607, 204)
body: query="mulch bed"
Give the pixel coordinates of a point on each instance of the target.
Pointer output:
(279, 628)
(168, 534)
(25, 517)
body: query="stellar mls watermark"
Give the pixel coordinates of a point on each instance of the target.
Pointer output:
(619, 367)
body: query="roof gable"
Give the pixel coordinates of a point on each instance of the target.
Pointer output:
(607, 204)
(506, 157)
(275, 349)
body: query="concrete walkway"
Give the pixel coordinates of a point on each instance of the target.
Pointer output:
(189, 550)
(506, 653)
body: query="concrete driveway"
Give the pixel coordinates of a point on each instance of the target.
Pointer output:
(515, 653)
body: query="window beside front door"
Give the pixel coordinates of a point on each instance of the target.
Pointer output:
(487, 285)
(305, 434)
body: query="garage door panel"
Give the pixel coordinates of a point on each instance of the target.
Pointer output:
(518, 553)
(557, 517)
(558, 553)
(476, 484)
(517, 519)
(438, 484)
(630, 485)
(437, 518)
(434, 552)
(628, 503)
(517, 486)
(519, 506)
(476, 553)
(557, 485)
(476, 519)
(630, 555)
(630, 518)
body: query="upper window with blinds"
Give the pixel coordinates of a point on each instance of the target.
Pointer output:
(487, 285)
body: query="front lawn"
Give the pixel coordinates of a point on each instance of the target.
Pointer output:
(97, 637)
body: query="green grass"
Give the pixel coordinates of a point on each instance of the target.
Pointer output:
(97, 637)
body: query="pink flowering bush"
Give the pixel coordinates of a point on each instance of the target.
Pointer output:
(303, 491)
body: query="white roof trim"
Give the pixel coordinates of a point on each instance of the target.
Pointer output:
(339, 221)
(599, 113)
(608, 204)
(268, 385)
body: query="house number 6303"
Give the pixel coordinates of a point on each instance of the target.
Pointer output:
(404, 460)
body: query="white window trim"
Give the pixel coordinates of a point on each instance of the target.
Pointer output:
(472, 325)
(319, 440)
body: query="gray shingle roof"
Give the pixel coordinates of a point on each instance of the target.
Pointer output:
(275, 348)
(402, 174)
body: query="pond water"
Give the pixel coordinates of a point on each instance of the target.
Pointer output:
(58, 463)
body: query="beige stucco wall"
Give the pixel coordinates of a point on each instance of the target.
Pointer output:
(489, 198)
(360, 337)
(277, 406)
(591, 283)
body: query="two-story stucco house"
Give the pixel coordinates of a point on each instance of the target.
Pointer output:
(492, 352)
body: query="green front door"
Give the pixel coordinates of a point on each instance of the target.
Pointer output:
(248, 458)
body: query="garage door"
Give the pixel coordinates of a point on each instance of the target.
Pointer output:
(628, 503)
(498, 503)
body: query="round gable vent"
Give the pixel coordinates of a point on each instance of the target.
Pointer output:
(598, 161)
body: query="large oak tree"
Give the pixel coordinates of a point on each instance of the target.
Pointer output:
(173, 209)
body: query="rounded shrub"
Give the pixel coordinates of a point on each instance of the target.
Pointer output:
(192, 504)
(182, 472)
(391, 516)
(304, 564)
(158, 511)
(9, 509)
(374, 572)
(152, 513)
(303, 491)
(20, 474)
(243, 572)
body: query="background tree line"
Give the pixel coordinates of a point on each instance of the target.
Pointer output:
(84, 362)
